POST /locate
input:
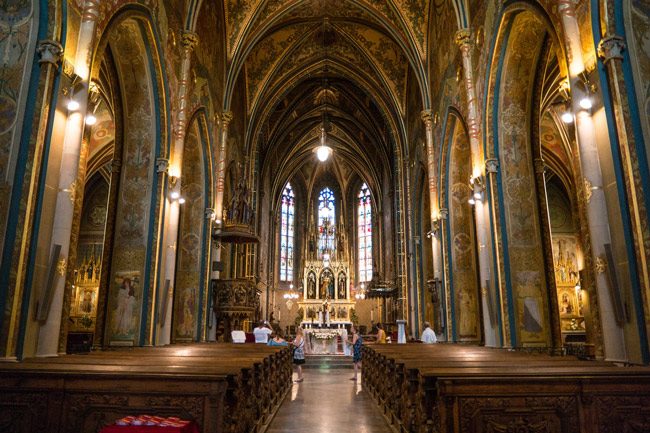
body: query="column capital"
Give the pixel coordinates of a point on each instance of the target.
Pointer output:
(565, 6)
(189, 40)
(162, 165)
(225, 118)
(444, 212)
(611, 48)
(90, 11)
(427, 117)
(209, 213)
(49, 51)
(540, 165)
(491, 165)
(463, 38)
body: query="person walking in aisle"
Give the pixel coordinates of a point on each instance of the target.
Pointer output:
(299, 352)
(357, 342)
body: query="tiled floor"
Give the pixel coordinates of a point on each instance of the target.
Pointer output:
(328, 402)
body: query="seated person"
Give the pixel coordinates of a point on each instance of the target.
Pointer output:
(277, 340)
(262, 333)
(381, 334)
(428, 336)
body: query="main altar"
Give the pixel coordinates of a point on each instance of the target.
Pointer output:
(326, 298)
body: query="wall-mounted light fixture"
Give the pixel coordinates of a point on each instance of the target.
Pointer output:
(476, 186)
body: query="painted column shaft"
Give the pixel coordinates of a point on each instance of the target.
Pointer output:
(597, 215)
(176, 166)
(433, 195)
(480, 210)
(226, 117)
(48, 339)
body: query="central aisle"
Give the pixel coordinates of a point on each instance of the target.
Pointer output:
(327, 401)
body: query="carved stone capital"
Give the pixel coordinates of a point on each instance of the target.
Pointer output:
(209, 213)
(162, 165)
(49, 51)
(540, 165)
(491, 165)
(444, 212)
(611, 48)
(600, 265)
(567, 7)
(226, 118)
(91, 10)
(189, 40)
(463, 38)
(427, 118)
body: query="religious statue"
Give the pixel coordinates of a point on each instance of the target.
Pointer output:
(341, 286)
(311, 286)
(324, 282)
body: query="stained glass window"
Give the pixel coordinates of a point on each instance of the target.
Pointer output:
(286, 234)
(326, 222)
(364, 234)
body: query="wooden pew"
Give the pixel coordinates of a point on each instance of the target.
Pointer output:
(455, 388)
(224, 388)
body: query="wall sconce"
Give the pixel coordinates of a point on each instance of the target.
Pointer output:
(435, 228)
(175, 187)
(590, 88)
(476, 187)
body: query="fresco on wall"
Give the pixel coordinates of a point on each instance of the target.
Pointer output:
(135, 195)
(124, 314)
(518, 179)
(16, 28)
(191, 245)
(463, 242)
(639, 44)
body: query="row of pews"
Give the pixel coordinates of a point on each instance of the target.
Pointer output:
(445, 388)
(223, 388)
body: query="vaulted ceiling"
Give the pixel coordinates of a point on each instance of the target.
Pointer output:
(352, 59)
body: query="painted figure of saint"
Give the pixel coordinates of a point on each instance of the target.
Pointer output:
(123, 315)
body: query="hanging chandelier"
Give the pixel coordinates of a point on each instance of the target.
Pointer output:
(323, 151)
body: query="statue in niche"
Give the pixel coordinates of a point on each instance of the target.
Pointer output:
(239, 208)
(341, 286)
(311, 286)
(326, 285)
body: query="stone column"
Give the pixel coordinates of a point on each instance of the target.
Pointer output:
(598, 219)
(226, 117)
(480, 208)
(427, 118)
(48, 339)
(189, 41)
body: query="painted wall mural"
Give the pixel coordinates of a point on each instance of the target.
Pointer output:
(135, 195)
(190, 250)
(17, 26)
(463, 242)
(518, 179)
(639, 45)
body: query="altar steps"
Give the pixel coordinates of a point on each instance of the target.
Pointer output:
(328, 362)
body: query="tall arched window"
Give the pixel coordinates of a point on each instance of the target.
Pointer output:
(286, 234)
(326, 221)
(364, 234)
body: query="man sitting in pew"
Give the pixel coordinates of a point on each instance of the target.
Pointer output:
(428, 336)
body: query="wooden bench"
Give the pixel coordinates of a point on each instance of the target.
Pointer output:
(456, 388)
(224, 388)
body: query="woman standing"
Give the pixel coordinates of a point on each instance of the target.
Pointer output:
(357, 342)
(299, 352)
